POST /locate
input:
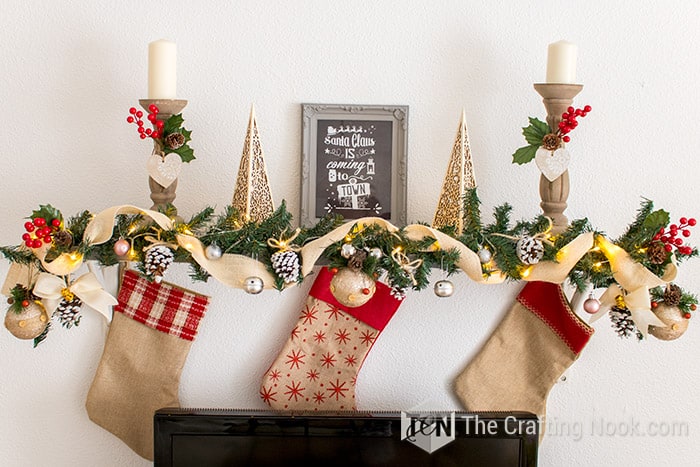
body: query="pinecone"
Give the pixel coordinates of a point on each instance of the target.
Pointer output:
(286, 265)
(68, 312)
(398, 293)
(158, 259)
(656, 252)
(551, 142)
(357, 260)
(622, 323)
(63, 238)
(673, 295)
(530, 250)
(174, 140)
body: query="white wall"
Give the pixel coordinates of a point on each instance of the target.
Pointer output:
(70, 71)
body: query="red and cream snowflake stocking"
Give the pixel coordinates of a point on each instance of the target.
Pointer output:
(318, 366)
(147, 345)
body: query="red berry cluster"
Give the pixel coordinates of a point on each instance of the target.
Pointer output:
(671, 239)
(152, 117)
(569, 122)
(38, 232)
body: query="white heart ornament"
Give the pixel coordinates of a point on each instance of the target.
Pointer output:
(164, 170)
(552, 163)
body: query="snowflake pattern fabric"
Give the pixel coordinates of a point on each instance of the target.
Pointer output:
(318, 366)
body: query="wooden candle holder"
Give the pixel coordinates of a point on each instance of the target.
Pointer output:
(160, 195)
(556, 98)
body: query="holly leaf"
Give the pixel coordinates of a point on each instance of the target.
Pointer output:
(536, 131)
(173, 124)
(525, 154)
(48, 212)
(186, 133)
(185, 152)
(657, 219)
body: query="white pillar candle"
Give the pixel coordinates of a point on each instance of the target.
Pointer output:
(162, 70)
(561, 62)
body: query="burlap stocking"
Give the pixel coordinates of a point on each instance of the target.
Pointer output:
(318, 366)
(147, 345)
(536, 342)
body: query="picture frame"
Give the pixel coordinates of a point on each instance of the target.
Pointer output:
(354, 161)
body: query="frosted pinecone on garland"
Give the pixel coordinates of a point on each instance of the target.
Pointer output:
(622, 323)
(158, 259)
(68, 312)
(286, 265)
(399, 293)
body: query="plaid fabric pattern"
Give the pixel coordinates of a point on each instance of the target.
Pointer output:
(163, 307)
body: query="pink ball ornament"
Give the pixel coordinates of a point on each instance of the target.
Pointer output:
(121, 247)
(591, 305)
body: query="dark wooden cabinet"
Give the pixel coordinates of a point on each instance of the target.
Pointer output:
(218, 437)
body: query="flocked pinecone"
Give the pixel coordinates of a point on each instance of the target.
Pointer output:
(622, 323)
(158, 259)
(530, 250)
(672, 295)
(286, 265)
(68, 312)
(399, 293)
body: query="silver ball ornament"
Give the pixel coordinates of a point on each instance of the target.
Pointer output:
(213, 252)
(444, 288)
(347, 250)
(253, 285)
(484, 255)
(591, 305)
(376, 253)
(121, 247)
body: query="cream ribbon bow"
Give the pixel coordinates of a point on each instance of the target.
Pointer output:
(636, 280)
(87, 288)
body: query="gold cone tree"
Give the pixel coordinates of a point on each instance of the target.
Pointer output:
(252, 196)
(458, 179)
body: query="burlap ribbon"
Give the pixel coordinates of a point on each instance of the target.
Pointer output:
(232, 270)
(87, 288)
(633, 283)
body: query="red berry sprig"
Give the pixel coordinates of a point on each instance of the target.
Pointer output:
(670, 238)
(136, 116)
(39, 232)
(569, 121)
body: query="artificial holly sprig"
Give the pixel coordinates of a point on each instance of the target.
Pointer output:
(539, 134)
(169, 135)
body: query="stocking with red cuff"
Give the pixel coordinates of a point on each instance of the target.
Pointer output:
(147, 345)
(536, 342)
(318, 366)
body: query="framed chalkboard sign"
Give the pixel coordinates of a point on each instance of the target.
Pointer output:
(354, 162)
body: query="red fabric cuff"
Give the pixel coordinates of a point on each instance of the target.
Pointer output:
(376, 312)
(547, 302)
(163, 306)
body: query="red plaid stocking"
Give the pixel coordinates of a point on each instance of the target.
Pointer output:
(148, 342)
(318, 365)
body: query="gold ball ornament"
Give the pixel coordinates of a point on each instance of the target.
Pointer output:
(676, 323)
(352, 287)
(29, 323)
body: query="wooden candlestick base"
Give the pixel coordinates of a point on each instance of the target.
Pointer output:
(557, 98)
(160, 195)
